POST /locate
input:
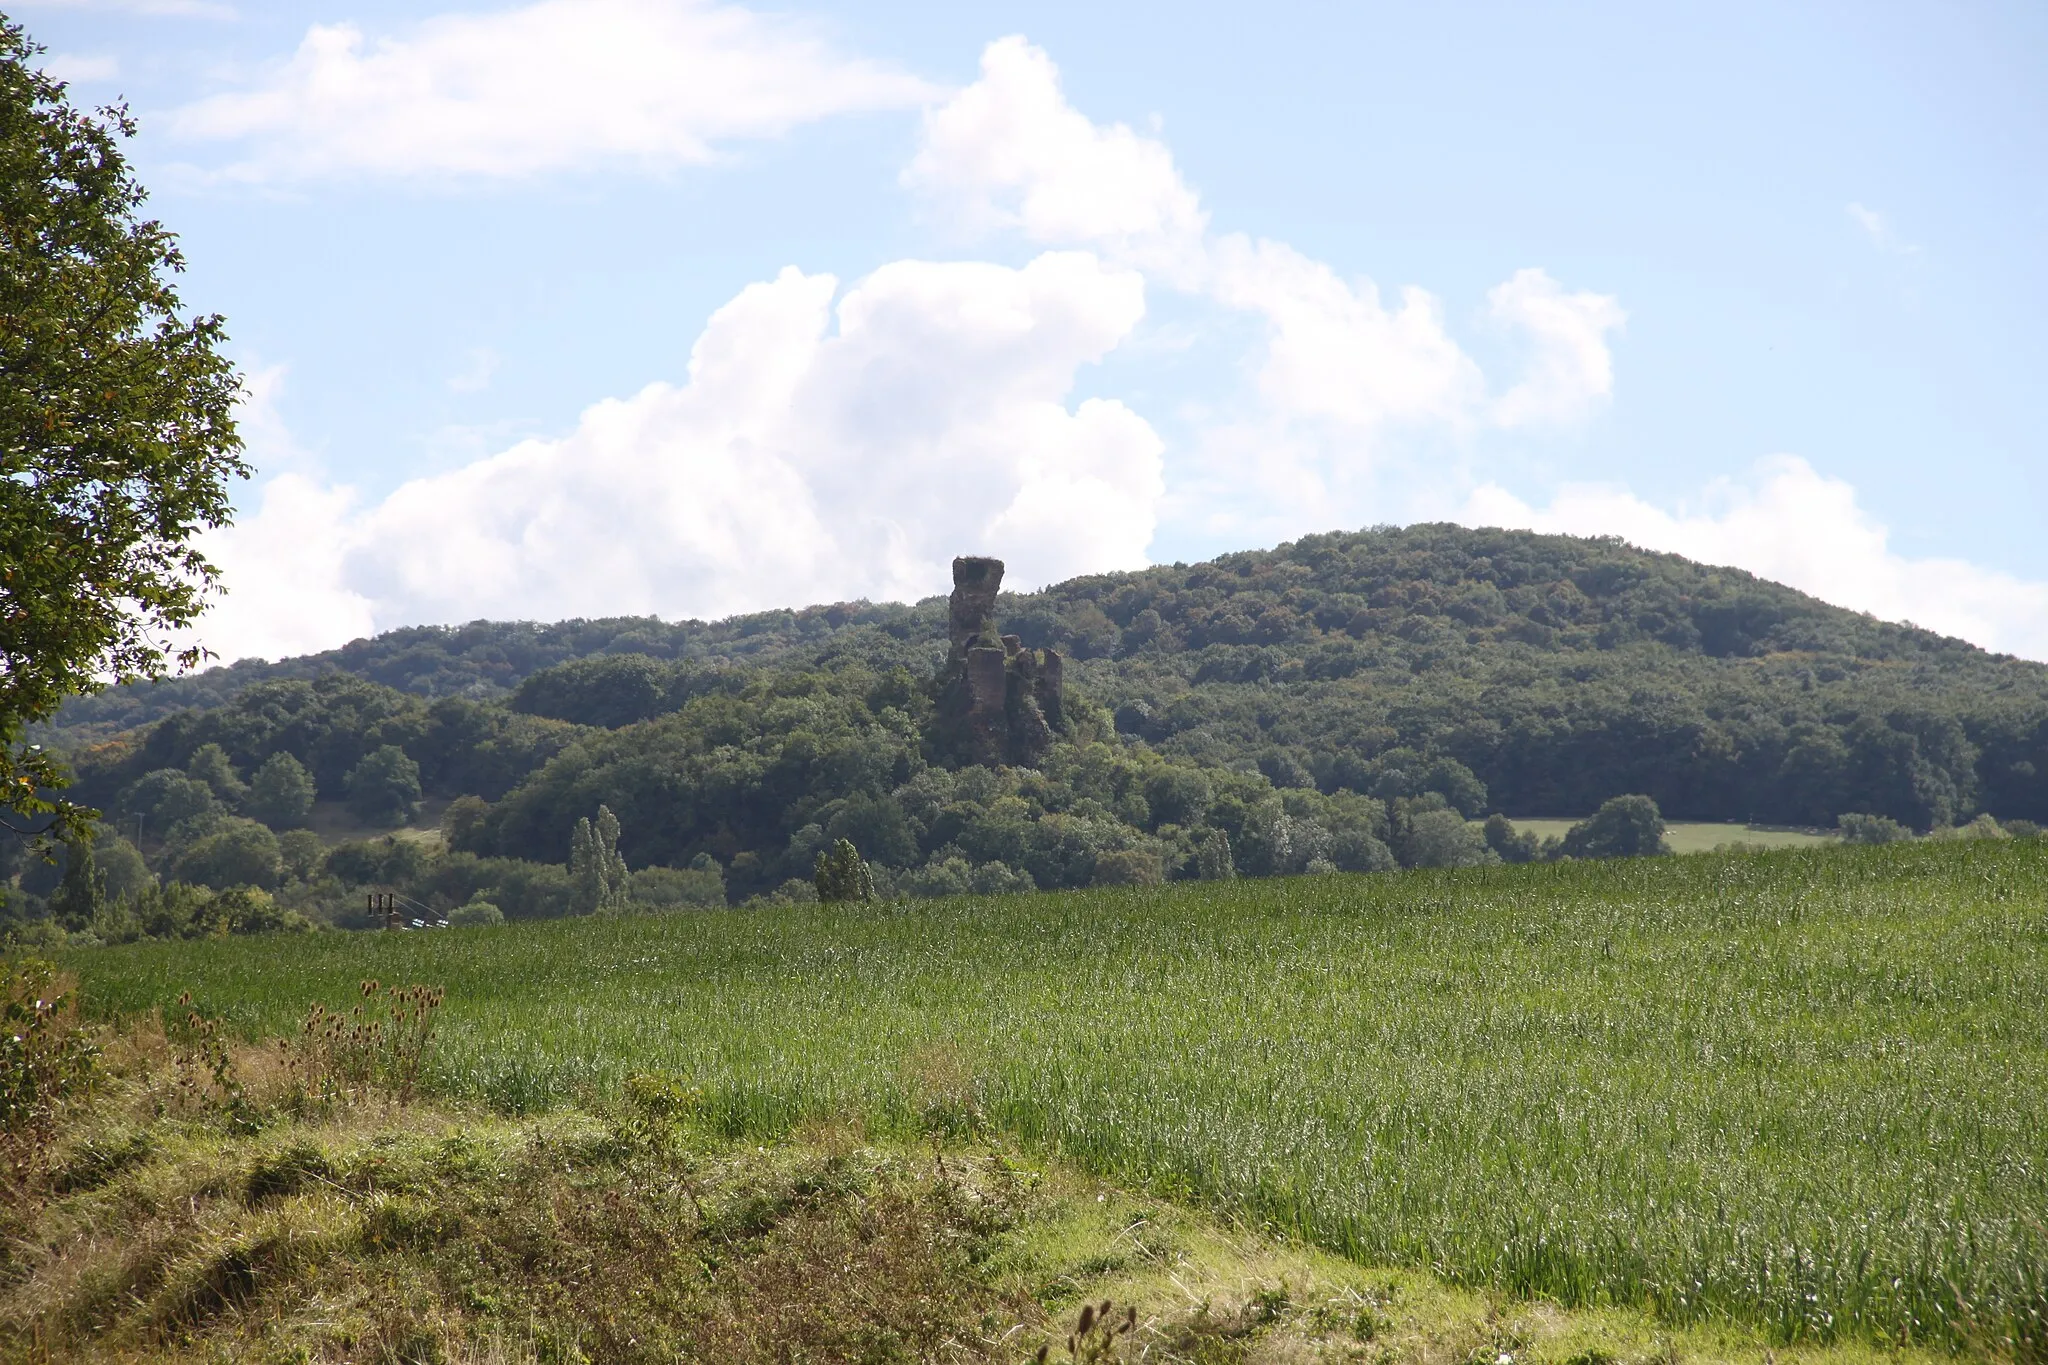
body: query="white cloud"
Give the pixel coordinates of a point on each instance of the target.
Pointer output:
(1334, 351)
(1879, 230)
(1791, 524)
(1009, 151)
(76, 68)
(1571, 371)
(558, 85)
(799, 463)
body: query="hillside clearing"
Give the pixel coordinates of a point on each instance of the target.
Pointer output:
(1700, 837)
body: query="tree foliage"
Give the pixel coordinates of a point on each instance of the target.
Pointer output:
(117, 439)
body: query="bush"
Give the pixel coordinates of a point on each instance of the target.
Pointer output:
(475, 914)
(384, 789)
(1624, 827)
(1872, 829)
(281, 794)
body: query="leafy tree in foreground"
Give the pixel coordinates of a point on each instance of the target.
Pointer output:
(1624, 827)
(117, 437)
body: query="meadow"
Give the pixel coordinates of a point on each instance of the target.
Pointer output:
(1799, 1089)
(1696, 836)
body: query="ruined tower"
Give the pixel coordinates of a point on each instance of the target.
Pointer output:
(998, 702)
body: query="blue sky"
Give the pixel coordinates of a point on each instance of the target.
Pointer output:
(1093, 286)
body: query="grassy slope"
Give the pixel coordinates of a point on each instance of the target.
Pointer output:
(1801, 1089)
(439, 1233)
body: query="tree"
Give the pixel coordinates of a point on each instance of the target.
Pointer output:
(300, 854)
(1513, 846)
(117, 434)
(82, 895)
(281, 794)
(210, 764)
(597, 873)
(384, 789)
(1212, 858)
(840, 875)
(1624, 827)
(243, 853)
(1444, 838)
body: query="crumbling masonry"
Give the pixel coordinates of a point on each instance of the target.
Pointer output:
(998, 702)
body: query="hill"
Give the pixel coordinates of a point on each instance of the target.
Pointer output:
(1559, 671)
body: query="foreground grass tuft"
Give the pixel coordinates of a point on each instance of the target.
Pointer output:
(270, 1230)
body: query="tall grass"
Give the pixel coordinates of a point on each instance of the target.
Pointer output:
(1806, 1089)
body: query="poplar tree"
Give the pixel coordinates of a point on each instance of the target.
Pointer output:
(597, 873)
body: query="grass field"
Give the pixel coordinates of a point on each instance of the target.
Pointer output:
(1801, 1089)
(1697, 837)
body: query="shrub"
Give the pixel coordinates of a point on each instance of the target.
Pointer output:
(1623, 827)
(1872, 829)
(46, 1062)
(476, 913)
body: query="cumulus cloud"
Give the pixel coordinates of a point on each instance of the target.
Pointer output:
(1010, 152)
(558, 85)
(1571, 370)
(1790, 523)
(801, 461)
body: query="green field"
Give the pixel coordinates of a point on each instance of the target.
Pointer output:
(1800, 1089)
(1686, 836)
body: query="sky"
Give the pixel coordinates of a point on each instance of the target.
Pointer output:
(685, 308)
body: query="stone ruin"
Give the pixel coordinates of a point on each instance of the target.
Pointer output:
(998, 702)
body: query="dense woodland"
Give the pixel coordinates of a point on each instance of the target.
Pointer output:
(1348, 701)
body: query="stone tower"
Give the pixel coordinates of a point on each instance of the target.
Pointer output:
(998, 702)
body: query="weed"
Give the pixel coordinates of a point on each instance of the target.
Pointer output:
(46, 1063)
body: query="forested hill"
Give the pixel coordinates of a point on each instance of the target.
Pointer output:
(1560, 671)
